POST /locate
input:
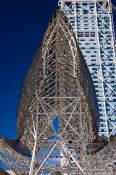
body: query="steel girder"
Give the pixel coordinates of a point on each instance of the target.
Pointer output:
(57, 120)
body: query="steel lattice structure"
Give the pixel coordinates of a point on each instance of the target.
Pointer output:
(93, 25)
(57, 118)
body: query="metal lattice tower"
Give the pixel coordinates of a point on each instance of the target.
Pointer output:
(93, 25)
(57, 117)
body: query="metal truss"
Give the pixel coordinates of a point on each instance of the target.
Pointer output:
(58, 118)
(17, 162)
(93, 25)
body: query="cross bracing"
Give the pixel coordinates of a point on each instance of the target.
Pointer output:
(93, 25)
(58, 117)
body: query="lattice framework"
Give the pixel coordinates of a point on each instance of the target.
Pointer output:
(93, 25)
(57, 120)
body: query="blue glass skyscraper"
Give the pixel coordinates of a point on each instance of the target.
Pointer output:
(93, 25)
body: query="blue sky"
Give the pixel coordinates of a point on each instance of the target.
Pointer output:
(22, 25)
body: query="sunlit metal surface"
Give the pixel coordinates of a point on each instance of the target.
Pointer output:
(57, 118)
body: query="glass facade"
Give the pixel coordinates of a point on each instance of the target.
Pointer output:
(93, 25)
